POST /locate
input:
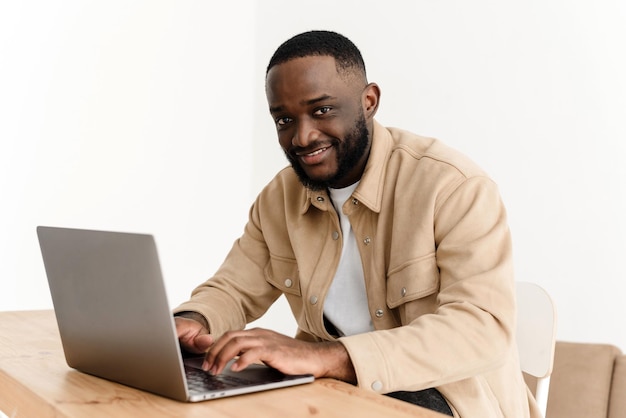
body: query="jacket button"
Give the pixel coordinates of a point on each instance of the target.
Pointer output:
(367, 241)
(377, 385)
(320, 199)
(335, 235)
(379, 313)
(355, 202)
(403, 291)
(313, 300)
(288, 282)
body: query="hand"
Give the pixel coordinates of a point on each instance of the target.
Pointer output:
(290, 356)
(193, 336)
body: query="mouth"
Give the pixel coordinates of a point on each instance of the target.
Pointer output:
(313, 157)
(311, 154)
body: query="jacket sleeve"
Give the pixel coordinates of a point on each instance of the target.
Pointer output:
(471, 331)
(238, 292)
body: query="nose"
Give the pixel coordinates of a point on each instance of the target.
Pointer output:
(305, 134)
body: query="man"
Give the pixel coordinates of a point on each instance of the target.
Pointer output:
(392, 250)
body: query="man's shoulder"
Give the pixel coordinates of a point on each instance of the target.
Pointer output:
(411, 146)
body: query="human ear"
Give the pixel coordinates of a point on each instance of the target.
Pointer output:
(370, 99)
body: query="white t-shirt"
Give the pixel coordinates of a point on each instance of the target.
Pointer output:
(346, 303)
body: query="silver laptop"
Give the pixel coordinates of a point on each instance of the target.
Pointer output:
(115, 322)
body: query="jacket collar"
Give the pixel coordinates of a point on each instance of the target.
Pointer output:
(370, 189)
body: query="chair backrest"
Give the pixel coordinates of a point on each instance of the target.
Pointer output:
(536, 334)
(588, 381)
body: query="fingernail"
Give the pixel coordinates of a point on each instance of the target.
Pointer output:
(213, 371)
(205, 366)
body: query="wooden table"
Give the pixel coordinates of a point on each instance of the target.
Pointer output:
(35, 382)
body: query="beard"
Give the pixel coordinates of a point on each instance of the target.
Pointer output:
(349, 152)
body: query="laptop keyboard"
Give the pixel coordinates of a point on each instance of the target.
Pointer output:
(199, 380)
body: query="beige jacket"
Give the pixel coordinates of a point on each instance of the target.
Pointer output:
(436, 253)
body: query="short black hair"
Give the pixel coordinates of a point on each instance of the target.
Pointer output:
(321, 43)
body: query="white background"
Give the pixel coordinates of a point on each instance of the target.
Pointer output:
(150, 116)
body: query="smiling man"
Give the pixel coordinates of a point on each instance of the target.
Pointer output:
(392, 250)
(321, 124)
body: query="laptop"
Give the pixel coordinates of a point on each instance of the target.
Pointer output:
(115, 322)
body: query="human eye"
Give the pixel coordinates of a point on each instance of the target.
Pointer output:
(322, 110)
(282, 120)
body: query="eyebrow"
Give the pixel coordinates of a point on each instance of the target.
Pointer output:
(317, 99)
(275, 109)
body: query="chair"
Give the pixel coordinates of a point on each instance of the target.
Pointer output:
(588, 381)
(536, 334)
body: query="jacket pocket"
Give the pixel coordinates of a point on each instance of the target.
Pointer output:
(413, 280)
(282, 273)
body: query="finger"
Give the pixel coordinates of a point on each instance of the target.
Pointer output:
(203, 342)
(181, 327)
(232, 344)
(188, 331)
(249, 357)
(185, 327)
(216, 361)
(217, 347)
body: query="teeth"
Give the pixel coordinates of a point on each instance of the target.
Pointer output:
(316, 152)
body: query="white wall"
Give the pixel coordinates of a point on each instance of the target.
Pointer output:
(148, 108)
(124, 115)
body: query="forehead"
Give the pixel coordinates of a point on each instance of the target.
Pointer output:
(305, 78)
